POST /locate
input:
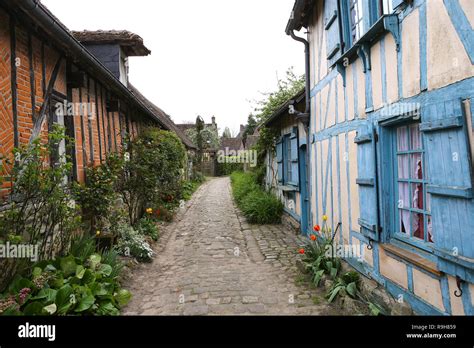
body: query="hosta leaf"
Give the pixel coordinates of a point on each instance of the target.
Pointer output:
(106, 270)
(85, 303)
(351, 289)
(37, 272)
(68, 265)
(123, 297)
(51, 309)
(33, 308)
(94, 260)
(80, 271)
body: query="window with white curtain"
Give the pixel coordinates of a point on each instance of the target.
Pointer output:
(413, 212)
(356, 19)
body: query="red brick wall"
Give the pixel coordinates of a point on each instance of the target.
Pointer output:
(6, 119)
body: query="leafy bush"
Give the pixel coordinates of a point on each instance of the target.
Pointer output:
(257, 205)
(262, 207)
(132, 243)
(98, 195)
(153, 169)
(227, 168)
(147, 227)
(242, 184)
(39, 209)
(81, 283)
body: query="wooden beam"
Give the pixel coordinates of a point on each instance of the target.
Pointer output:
(83, 134)
(43, 69)
(40, 119)
(89, 121)
(103, 118)
(106, 114)
(32, 77)
(13, 62)
(69, 123)
(98, 121)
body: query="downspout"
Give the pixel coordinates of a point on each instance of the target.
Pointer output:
(304, 117)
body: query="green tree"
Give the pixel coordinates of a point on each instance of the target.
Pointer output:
(287, 88)
(227, 134)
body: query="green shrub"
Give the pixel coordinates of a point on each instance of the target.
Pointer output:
(227, 168)
(147, 227)
(257, 205)
(132, 243)
(242, 184)
(262, 208)
(153, 171)
(82, 283)
(98, 194)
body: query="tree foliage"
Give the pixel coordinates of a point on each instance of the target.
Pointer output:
(287, 88)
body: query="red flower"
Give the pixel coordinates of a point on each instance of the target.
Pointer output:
(316, 228)
(301, 251)
(313, 237)
(157, 212)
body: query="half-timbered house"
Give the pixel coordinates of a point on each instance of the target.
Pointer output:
(390, 140)
(45, 67)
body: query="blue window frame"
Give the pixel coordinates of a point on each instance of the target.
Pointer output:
(287, 159)
(359, 15)
(412, 204)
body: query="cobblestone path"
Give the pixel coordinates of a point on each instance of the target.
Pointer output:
(211, 262)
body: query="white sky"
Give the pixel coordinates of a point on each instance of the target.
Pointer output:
(209, 57)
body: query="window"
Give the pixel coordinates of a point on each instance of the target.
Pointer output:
(287, 159)
(413, 203)
(385, 7)
(287, 156)
(356, 19)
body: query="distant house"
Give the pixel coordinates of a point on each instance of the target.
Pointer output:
(208, 165)
(390, 114)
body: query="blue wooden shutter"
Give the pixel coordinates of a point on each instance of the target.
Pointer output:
(331, 26)
(367, 182)
(279, 157)
(294, 159)
(450, 185)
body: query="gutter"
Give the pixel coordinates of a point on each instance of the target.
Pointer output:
(40, 15)
(304, 117)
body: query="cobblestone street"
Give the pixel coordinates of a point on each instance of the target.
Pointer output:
(211, 262)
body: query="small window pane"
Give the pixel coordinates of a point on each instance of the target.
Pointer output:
(404, 223)
(403, 195)
(402, 139)
(430, 229)
(415, 137)
(403, 166)
(418, 227)
(428, 202)
(416, 166)
(417, 196)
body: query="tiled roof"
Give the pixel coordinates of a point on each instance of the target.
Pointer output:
(131, 43)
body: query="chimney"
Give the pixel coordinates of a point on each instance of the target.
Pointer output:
(213, 118)
(112, 48)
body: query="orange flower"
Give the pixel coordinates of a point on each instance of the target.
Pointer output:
(313, 237)
(317, 228)
(301, 251)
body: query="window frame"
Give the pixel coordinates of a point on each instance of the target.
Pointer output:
(394, 232)
(372, 11)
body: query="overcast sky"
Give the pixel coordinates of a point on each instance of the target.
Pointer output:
(209, 57)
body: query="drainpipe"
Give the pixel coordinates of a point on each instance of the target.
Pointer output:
(304, 117)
